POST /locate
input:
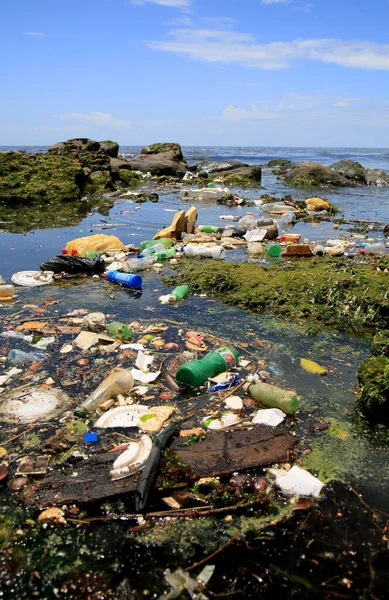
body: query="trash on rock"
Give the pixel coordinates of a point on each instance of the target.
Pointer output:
(34, 278)
(120, 381)
(133, 459)
(74, 265)
(100, 243)
(269, 416)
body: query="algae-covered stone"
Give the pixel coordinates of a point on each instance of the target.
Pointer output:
(373, 394)
(130, 178)
(350, 169)
(30, 178)
(279, 163)
(242, 177)
(110, 148)
(311, 174)
(380, 344)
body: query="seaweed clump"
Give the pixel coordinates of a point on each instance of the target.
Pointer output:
(373, 393)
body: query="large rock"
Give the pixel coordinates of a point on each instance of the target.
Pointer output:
(242, 177)
(311, 174)
(209, 167)
(110, 148)
(44, 178)
(352, 170)
(376, 178)
(160, 159)
(88, 152)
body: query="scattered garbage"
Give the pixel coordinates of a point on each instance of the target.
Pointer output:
(297, 481)
(119, 381)
(100, 243)
(133, 459)
(19, 357)
(226, 420)
(216, 193)
(195, 373)
(122, 416)
(205, 251)
(179, 293)
(125, 279)
(312, 367)
(273, 250)
(34, 278)
(33, 404)
(269, 416)
(119, 330)
(273, 397)
(7, 292)
(73, 265)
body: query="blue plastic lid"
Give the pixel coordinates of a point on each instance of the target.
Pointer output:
(90, 436)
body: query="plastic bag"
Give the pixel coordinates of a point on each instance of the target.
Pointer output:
(74, 265)
(95, 243)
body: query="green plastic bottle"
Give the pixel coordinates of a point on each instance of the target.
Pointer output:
(119, 330)
(274, 250)
(274, 397)
(168, 243)
(196, 372)
(210, 229)
(89, 254)
(180, 292)
(167, 254)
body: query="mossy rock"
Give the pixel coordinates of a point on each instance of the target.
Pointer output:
(130, 178)
(373, 393)
(279, 163)
(31, 178)
(311, 174)
(380, 344)
(160, 148)
(320, 292)
(243, 177)
(110, 148)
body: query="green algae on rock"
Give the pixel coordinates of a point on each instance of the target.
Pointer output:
(380, 344)
(373, 393)
(324, 293)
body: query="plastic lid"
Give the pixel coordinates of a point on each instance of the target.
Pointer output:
(80, 413)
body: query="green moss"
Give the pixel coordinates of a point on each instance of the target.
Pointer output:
(26, 178)
(130, 178)
(373, 394)
(380, 344)
(318, 293)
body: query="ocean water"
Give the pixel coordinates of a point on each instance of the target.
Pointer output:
(373, 158)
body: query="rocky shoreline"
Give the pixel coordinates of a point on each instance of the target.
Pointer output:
(78, 168)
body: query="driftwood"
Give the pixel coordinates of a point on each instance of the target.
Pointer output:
(225, 452)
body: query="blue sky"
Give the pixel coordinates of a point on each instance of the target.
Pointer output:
(200, 72)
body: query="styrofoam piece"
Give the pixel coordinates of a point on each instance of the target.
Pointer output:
(122, 416)
(255, 235)
(269, 416)
(234, 403)
(144, 377)
(33, 278)
(227, 420)
(133, 459)
(35, 404)
(298, 482)
(143, 361)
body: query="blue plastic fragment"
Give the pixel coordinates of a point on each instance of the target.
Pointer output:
(90, 436)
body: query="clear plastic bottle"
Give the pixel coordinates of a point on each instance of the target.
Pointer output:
(204, 251)
(152, 250)
(18, 357)
(138, 264)
(120, 381)
(7, 292)
(376, 249)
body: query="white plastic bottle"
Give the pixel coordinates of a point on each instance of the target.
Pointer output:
(204, 251)
(376, 249)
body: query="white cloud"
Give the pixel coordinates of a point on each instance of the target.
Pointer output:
(231, 47)
(171, 3)
(233, 114)
(34, 33)
(97, 119)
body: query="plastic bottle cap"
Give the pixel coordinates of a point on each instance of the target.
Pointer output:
(74, 252)
(64, 251)
(80, 413)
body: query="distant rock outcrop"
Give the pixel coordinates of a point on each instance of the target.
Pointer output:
(344, 173)
(163, 159)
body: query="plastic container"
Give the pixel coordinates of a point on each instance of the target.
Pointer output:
(119, 330)
(196, 372)
(277, 207)
(210, 229)
(151, 250)
(290, 237)
(319, 250)
(287, 218)
(125, 279)
(274, 397)
(273, 250)
(167, 254)
(18, 357)
(376, 249)
(100, 242)
(246, 222)
(204, 251)
(167, 242)
(138, 264)
(180, 292)
(120, 381)
(7, 292)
